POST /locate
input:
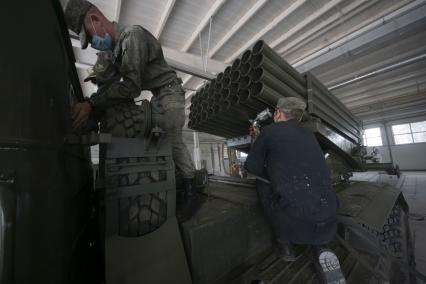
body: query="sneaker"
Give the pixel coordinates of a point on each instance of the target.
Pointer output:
(328, 267)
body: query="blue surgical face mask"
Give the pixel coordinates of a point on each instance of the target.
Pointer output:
(101, 43)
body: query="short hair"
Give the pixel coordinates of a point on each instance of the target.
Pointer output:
(293, 113)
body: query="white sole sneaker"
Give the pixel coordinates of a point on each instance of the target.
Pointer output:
(330, 266)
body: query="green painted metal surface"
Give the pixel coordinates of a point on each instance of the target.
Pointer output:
(49, 203)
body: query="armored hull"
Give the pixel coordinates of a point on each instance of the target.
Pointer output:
(229, 240)
(46, 187)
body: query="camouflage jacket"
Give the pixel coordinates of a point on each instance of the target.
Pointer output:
(139, 56)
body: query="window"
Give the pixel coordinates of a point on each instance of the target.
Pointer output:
(241, 155)
(372, 137)
(408, 133)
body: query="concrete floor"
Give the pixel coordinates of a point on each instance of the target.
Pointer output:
(413, 185)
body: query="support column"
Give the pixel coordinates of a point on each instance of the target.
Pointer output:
(197, 155)
(388, 142)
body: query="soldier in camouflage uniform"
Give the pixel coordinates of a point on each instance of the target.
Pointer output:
(139, 56)
(119, 116)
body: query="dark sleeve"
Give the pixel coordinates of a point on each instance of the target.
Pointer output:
(256, 158)
(134, 54)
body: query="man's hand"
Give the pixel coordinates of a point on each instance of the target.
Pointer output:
(80, 114)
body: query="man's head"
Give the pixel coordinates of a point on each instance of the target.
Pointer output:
(289, 108)
(90, 24)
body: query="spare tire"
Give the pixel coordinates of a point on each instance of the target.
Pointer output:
(127, 120)
(144, 213)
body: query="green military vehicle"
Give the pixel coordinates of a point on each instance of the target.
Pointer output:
(62, 224)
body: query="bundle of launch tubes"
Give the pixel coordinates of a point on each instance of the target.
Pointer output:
(252, 83)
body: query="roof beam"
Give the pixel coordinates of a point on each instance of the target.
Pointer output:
(393, 115)
(164, 16)
(384, 85)
(118, 5)
(190, 63)
(345, 13)
(397, 104)
(241, 22)
(212, 11)
(385, 25)
(324, 9)
(379, 71)
(266, 29)
(387, 93)
(386, 96)
(374, 56)
(406, 108)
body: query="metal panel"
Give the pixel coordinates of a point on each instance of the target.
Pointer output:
(7, 225)
(331, 139)
(225, 234)
(369, 203)
(51, 187)
(156, 258)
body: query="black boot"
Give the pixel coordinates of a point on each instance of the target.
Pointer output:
(191, 201)
(190, 191)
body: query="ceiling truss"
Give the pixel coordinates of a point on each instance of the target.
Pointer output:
(313, 43)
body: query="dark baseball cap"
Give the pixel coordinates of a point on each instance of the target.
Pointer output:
(75, 11)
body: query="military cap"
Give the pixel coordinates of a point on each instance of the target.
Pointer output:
(104, 68)
(75, 11)
(290, 103)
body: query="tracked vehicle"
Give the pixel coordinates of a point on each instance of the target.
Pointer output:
(374, 242)
(61, 225)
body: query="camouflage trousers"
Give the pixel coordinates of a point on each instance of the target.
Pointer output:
(168, 112)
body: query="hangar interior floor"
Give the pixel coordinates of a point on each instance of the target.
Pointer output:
(413, 185)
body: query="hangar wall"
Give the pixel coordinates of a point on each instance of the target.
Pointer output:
(407, 156)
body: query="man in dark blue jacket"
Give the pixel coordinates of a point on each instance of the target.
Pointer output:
(299, 202)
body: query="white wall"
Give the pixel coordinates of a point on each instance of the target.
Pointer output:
(210, 151)
(406, 156)
(410, 156)
(87, 87)
(214, 163)
(384, 150)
